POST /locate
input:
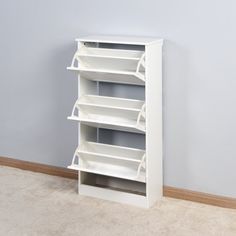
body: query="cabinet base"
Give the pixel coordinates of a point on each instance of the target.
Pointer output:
(113, 195)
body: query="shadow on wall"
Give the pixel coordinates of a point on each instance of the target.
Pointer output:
(175, 112)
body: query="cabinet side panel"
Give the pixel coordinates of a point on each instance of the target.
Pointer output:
(85, 133)
(153, 94)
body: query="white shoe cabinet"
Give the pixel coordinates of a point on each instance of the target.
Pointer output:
(113, 172)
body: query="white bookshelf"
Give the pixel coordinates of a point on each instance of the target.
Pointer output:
(106, 170)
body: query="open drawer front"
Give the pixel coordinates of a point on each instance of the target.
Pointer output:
(110, 160)
(110, 112)
(114, 59)
(110, 65)
(106, 58)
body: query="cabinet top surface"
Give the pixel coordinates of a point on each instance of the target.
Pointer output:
(120, 39)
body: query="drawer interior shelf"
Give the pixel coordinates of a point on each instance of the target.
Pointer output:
(110, 160)
(111, 102)
(110, 65)
(111, 76)
(110, 53)
(110, 112)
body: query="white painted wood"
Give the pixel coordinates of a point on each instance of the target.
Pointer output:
(109, 65)
(110, 112)
(112, 151)
(111, 123)
(109, 53)
(114, 195)
(120, 40)
(110, 160)
(98, 60)
(154, 128)
(110, 103)
(85, 133)
(114, 59)
(108, 169)
(112, 76)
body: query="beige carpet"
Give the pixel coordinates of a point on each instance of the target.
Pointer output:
(37, 204)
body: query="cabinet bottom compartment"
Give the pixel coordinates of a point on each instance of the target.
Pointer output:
(112, 183)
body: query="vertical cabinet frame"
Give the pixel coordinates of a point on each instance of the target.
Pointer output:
(110, 172)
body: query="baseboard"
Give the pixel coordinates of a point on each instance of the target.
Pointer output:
(37, 167)
(205, 198)
(172, 192)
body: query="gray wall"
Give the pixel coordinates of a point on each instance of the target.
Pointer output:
(36, 91)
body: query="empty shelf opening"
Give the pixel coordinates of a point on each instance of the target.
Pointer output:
(115, 46)
(113, 183)
(122, 91)
(120, 138)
